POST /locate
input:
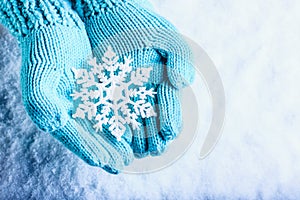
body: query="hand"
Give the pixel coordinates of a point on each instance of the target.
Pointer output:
(50, 49)
(152, 42)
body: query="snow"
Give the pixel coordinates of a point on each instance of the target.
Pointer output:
(255, 46)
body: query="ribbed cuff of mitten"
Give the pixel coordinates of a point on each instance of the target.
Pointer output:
(90, 8)
(23, 16)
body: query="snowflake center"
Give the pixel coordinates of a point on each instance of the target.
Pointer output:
(117, 94)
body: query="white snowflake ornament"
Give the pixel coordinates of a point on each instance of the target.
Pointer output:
(113, 94)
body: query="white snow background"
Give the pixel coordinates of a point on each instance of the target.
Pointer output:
(255, 45)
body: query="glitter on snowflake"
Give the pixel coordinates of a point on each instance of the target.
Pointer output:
(112, 94)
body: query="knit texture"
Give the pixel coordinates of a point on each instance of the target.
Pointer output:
(23, 16)
(53, 41)
(151, 41)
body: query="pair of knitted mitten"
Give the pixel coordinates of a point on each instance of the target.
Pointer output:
(53, 40)
(135, 31)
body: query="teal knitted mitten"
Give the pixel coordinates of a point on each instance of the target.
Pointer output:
(151, 41)
(53, 41)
